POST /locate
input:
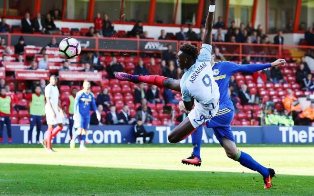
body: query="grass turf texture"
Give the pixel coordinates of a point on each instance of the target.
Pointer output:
(151, 171)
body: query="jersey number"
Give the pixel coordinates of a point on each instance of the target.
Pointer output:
(207, 81)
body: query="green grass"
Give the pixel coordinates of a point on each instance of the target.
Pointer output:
(149, 170)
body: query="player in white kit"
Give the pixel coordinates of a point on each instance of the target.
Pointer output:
(197, 85)
(54, 114)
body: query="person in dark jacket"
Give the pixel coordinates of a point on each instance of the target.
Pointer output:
(136, 30)
(276, 75)
(279, 39)
(302, 73)
(27, 26)
(245, 96)
(181, 34)
(140, 131)
(140, 69)
(114, 67)
(94, 120)
(38, 23)
(103, 99)
(49, 23)
(112, 116)
(124, 116)
(19, 47)
(153, 95)
(139, 93)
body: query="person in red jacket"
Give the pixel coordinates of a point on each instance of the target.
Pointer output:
(5, 112)
(98, 23)
(260, 77)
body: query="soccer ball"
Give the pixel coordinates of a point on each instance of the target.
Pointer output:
(70, 47)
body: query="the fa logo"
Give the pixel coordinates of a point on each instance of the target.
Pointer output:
(216, 72)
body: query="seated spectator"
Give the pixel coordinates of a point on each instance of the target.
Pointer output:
(170, 97)
(56, 14)
(2, 83)
(234, 97)
(139, 93)
(53, 43)
(162, 35)
(276, 75)
(94, 120)
(260, 77)
(245, 96)
(308, 83)
(43, 63)
(26, 23)
(144, 115)
(291, 103)
(233, 84)
(124, 116)
(137, 30)
(140, 131)
(103, 99)
(98, 23)
(230, 32)
(301, 73)
(171, 71)
(190, 34)
(140, 69)
(19, 47)
(91, 32)
(93, 59)
(114, 67)
(7, 51)
(219, 24)
(279, 39)
(107, 28)
(246, 60)
(20, 58)
(153, 95)
(307, 116)
(38, 23)
(4, 27)
(88, 67)
(219, 36)
(218, 55)
(181, 35)
(49, 24)
(65, 66)
(239, 37)
(169, 55)
(33, 66)
(112, 116)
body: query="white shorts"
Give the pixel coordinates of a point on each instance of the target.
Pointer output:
(200, 113)
(51, 120)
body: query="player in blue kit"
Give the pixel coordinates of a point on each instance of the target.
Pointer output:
(83, 104)
(221, 122)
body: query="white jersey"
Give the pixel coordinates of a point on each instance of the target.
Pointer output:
(56, 116)
(53, 93)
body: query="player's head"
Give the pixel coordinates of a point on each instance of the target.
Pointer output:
(37, 90)
(53, 80)
(187, 56)
(86, 85)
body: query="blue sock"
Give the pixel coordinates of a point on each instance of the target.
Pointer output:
(247, 161)
(196, 141)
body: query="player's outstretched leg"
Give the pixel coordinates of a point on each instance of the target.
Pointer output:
(180, 132)
(247, 161)
(195, 158)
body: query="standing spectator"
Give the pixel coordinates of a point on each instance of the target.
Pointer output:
(124, 116)
(103, 99)
(2, 83)
(112, 116)
(307, 116)
(308, 83)
(181, 35)
(162, 34)
(153, 95)
(37, 110)
(49, 24)
(169, 55)
(94, 120)
(91, 32)
(190, 34)
(220, 23)
(114, 67)
(279, 39)
(245, 96)
(4, 27)
(259, 30)
(26, 23)
(139, 93)
(144, 115)
(137, 30)
(34, 65)
(107, 29)
(65, 66)
(301, 73)
(43, 63)
(56, 14)
(169, 97)
(230, 32)
(140, 69)
(71, 111)
(171, 71)
(276, 75)
(140, 131)
(98, 23)
(53, 43)
(19, 47)
(38, 23)
(5, 113)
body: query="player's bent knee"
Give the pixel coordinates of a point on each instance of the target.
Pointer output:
(172, 139)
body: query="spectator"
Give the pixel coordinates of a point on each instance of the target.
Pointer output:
(219, 36)
(145, 36)
(308, 83)
(245, 96)
(181, 35)
(65, 66)
(2, 83)
(190, 34)
(171, 71)
(219, 24)
(98, 23)
(260, 77)
(239, 37)
(170, 97)
(4, 27)
(218, 55)
(140, 69)
(162, 34)
(140, 131)
(309, 36)
(276, 75)
(91, 32)
(108, 29)
(307, 116)
(5, 113)
(234, 97)
(290, 102)
(230, 32)
(94, 120)
(259, 30)
(19, 47)
(70, 110)
(124, 116)
(20, 58)
(139, 93)
(114, 67)
(2, 43)
(43, 63)
(169, 55)
(301, 73)
(153, 95)
(144, 115)
(38, 23)
(112, 116)
(93, 59)
(49, 24)
(37, 110)
(33, 65)
(137, 30)
(26, 22)
(56, 14)
(279, 39)
(53, 43)
(88, 67)
(233, 84)
(103, 99)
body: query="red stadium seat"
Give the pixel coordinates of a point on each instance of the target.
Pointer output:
(23, 102)
(24, 121)
(245, 123)
(113, 82)
(247, 108)
(96, 90)
(269, 85)
(156, 122)
(83, 31)
(14, 120)
(126, 89)
(287, 86)
(273, 93)
(23, 113)
(65, 88)
(65, 31)
(116, 89)
(253, 91)
(295, 86)
(260, 85)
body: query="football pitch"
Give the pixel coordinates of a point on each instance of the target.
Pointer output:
(151, 170)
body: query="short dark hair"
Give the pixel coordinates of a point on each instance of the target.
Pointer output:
(190, 50)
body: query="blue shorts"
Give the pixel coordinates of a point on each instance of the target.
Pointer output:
(82, 122)
(221, 123)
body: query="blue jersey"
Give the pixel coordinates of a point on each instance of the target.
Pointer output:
(223, 71)
(84, 103)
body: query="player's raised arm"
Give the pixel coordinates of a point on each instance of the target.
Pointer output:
(251, 68)
(207, 39)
